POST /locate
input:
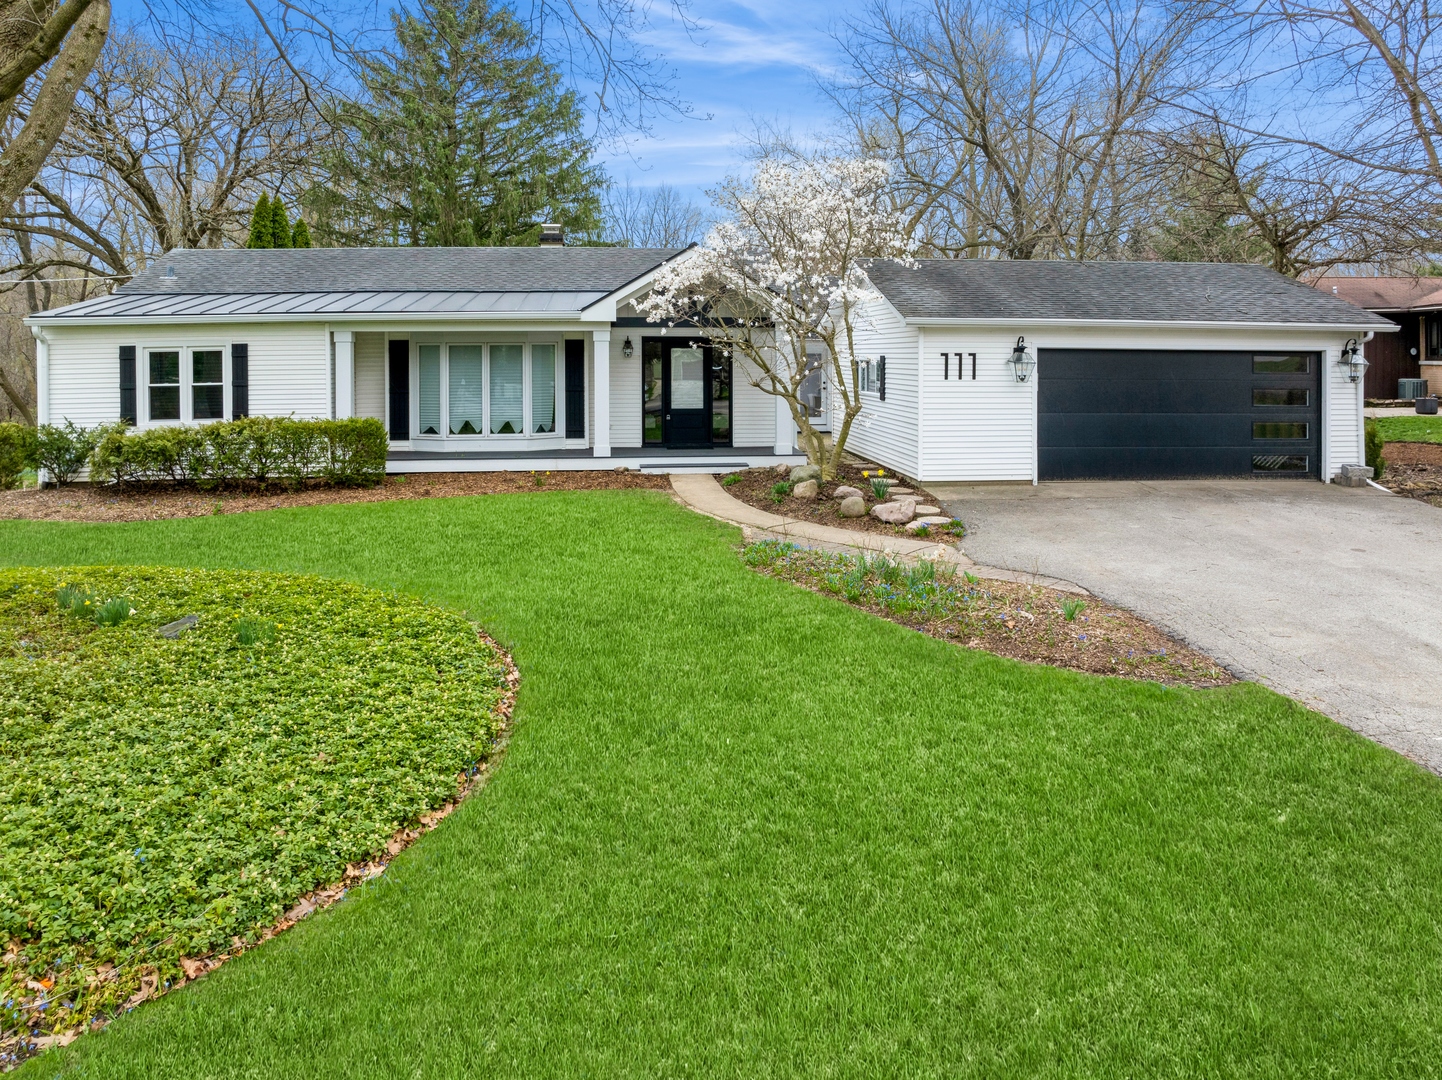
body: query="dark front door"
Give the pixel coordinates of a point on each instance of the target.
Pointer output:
(686, 395)
(1112, 414)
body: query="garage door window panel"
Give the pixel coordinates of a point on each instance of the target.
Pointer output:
(1298, 398)
(1295, 364)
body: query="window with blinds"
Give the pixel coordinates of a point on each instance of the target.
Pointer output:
(467, 394)
(543, 389)
(430, 389)
(507, 390)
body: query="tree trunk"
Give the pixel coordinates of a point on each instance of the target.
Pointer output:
(21, 160)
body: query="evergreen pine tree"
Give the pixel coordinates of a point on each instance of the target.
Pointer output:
(300, 235)
(279, 224)
(465, 137)
(260, 224)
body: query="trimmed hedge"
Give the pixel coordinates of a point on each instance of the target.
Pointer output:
(257, 449)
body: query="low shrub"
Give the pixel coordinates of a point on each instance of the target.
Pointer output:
(163, 798)
(17, 453)
(62, 450)
(1373, 443)
(257, 449)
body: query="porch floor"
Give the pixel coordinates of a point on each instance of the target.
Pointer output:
(645, 459)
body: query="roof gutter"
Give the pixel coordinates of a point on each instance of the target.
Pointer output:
(1183, 324)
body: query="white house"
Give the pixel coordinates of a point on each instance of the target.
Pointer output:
(536, 358)
(474, 358)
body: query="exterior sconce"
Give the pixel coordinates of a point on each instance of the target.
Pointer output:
(1022, 362)
(1352, 360)
(627, 349)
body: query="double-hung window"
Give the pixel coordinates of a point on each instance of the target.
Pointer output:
(164, 368)
(497, 389)
(184, 384)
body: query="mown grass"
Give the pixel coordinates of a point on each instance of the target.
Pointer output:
(1426, 429)
(743, 829)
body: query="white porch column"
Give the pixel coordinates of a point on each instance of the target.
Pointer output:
(344, 374)
(785, 440)
(785, 428)
(601, 389)
(42, 377)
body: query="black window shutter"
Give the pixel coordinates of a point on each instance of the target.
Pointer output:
(575, 388)
(239, 381)
(881, 378)
(398, 355)
(128, 411)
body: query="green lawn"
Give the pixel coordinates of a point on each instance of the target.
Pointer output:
(1410, 428)
(743, 830)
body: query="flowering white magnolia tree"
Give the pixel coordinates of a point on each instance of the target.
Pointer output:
(784, 268)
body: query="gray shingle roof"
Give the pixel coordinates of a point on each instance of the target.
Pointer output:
(1146, 291)
(472, 269)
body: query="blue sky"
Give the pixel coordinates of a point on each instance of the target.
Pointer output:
(752, 60)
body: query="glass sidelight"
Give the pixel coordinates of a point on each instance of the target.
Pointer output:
(652, 428)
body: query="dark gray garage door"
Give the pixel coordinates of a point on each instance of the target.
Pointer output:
(1108, 414)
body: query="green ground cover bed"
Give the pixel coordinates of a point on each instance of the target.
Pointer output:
(164, 799)
(1424, 429)
(746, 829)
(1009, 618)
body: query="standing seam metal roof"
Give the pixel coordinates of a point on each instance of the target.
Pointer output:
(353, 281)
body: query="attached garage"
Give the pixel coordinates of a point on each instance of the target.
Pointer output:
(1007, 371)
(1167, 414)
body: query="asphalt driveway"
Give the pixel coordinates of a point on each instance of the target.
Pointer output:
(1324, 593)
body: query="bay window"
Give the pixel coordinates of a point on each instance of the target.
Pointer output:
(503, 388)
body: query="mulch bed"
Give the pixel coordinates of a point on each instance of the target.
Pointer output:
(756, 487)
(81, 502)
(1415, 470)
(1020, 621)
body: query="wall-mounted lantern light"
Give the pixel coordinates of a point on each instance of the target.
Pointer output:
(627, 349)
(1351, 359)
(1021, 361)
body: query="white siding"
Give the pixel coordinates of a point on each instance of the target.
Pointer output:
(981, 428)
(887, 432)
(1341, 415)
(753, 412)
(370, 375)
(289, 365)
(625, 392)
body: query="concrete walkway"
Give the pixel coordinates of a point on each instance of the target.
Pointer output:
(701, 492)
(1326, 594)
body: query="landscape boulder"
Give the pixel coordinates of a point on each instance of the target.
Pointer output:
(805, 490)
(846, 491)
(782, 469)
(853, 506)
(928, 522)
(895, 513)
(805, 472)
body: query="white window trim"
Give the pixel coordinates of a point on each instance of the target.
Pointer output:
(522, 438)
(187, 390)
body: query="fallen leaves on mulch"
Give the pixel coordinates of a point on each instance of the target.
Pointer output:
(755, 487)
(81, 502)
(1414, 470)
(35, 1018)
(1020, 621)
